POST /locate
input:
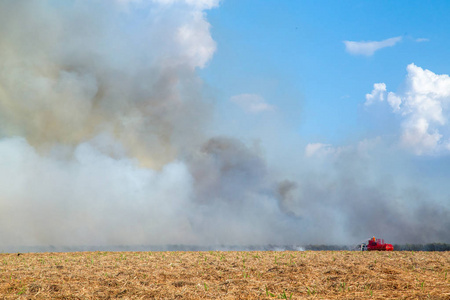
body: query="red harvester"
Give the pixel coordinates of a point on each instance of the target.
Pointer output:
(376, 245)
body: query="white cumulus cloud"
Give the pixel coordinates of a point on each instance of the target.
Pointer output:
(379, 89)
(201, 4)
(252, 103)
(322, 150)
(368, 48)
(394, 101)
(424, 109)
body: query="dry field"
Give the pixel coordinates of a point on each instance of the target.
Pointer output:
(226, 275)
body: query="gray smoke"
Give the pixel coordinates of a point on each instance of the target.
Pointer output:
(104, 140)
(355, 192)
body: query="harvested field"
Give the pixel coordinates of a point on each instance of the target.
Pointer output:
(226, 275)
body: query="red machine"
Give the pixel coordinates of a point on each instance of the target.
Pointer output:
(377, 245)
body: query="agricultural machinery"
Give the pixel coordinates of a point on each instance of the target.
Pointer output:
(376, 245)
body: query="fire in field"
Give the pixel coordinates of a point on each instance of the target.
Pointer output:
(226, 275)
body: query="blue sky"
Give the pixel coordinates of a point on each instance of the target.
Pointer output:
(292, 54)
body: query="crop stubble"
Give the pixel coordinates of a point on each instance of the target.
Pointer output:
(226, 275)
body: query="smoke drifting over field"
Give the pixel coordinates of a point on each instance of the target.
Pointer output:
(104, 141)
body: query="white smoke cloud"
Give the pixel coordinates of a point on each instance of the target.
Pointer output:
(102, 132)
(370, 47)
(65, 79)
(352, 189)
(91, 199)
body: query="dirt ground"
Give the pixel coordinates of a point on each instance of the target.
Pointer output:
(226, 275)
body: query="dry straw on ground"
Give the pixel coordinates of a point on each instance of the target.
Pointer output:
(226, 275)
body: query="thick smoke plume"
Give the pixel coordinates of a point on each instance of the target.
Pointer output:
(104, 140)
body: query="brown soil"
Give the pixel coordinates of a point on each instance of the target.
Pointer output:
(226, 275)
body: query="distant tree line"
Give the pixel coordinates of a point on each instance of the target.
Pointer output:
(423, 247)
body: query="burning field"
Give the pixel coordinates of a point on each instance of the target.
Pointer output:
(226, 275)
